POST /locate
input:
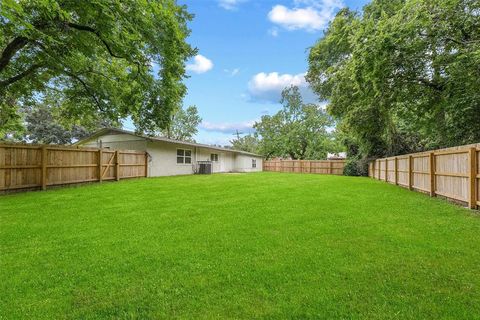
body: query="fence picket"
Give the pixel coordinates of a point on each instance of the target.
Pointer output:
(305, 166)
(39, 166)
(452, 173)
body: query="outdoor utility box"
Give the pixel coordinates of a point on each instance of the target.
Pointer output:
(204, 167)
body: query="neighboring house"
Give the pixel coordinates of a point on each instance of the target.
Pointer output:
(337, 156)
(172, 157)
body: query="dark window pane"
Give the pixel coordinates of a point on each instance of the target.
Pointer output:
(179, 159)
(188, 160)
(188, 153)
(180, 152)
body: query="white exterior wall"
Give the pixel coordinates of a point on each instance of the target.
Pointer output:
(163, 159)
(225, 161)
(163, 155)
(243, 163)
(118, 141)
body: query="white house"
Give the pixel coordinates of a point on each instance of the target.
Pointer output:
(173, 157)
(337, 156)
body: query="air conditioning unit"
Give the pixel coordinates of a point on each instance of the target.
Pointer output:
(204, 167)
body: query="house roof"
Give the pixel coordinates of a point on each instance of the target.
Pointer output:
(104, 131)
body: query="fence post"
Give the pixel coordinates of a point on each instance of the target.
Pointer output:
(472, 199)
(44, 167)
(396, 170)
(386, 170)
(146, 164)
(379, 169)
(330, 167)
(410, 172)
(431, 157)
(100, 165)
(117, 166)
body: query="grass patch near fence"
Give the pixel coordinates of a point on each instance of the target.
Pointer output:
(262, 245)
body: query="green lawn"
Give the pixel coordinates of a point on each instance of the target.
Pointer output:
(262, 245)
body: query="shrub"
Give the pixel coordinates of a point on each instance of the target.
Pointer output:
(356, 167)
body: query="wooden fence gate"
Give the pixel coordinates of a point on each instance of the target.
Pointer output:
(39, 166)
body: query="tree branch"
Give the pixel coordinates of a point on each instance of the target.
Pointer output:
(19, 76)
(85, 86)
(95, 32)
(10, 50)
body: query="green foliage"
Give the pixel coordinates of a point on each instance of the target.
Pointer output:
(184, 124)
(298, 131)
(11, 127)
(248, 246)
(402, 76)
(356, 166)
(45, 124)
(98, 57)
(248, 143)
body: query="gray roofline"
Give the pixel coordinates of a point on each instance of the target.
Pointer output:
(193, 144)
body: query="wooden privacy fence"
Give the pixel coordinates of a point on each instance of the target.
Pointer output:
(453, 173)
(39, 166)
(305, 166)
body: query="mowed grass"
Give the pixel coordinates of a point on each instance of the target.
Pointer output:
(262, 245)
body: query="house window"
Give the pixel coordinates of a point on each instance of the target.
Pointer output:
(254, 163)
(184, 156)
(214, 157)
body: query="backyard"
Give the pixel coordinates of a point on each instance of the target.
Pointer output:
(260, 245)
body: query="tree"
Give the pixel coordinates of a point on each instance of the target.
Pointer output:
(299, 130)
(248, 143)
(183, 125)
(45, 124)
(98, 56)
(402, 76)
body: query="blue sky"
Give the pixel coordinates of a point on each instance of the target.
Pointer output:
(248, 51)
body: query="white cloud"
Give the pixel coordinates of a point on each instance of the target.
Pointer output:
(200, 64)
(313, 16)
(232, 72)
(268, 87)
(273, 32)
(227, 127)
(230, 4)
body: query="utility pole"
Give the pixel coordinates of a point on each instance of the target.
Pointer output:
(237, 134)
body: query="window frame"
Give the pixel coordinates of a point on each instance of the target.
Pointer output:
(216, 157)
(254, 163)
(184, 157)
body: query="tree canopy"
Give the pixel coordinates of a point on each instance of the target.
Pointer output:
(103, 59)
(248, 143)
(183, 125)
(402, 76)
(298, 131)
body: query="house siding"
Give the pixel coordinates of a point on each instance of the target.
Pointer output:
(163, 159)
(243, 163)
(163, 155)
(118, 141)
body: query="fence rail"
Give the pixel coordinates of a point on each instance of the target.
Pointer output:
(452, 173)
(39, 166)
(305, 166)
